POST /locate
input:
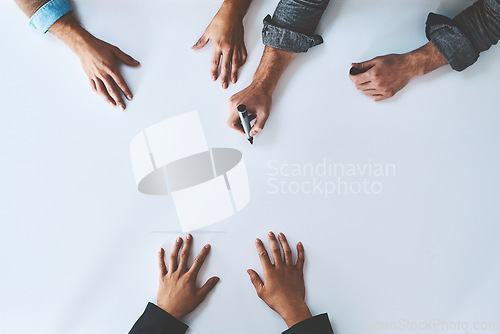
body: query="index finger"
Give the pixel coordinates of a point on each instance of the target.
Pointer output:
(264, 258)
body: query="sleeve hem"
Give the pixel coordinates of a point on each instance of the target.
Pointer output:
(450, 41)
(48, 14)
(286, 39)
(319, 324)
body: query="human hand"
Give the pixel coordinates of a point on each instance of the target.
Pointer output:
(283, 289)
(99, 60)
(258, 101)
(177, 292)
(226, 33)
(387, 75)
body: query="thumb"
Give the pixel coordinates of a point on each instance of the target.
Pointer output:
(255, 279)
(201, 42)
(208, 286)
(258, 126)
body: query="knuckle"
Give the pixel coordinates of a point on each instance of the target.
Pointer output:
(263, 253)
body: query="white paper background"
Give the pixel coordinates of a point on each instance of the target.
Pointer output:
(78, 242)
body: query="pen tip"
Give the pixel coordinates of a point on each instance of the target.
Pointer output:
(250, 140)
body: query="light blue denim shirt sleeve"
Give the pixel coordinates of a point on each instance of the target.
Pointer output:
(49, 13)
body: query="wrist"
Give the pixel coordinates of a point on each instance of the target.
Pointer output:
(425, 59)
(235, 8)
(170, 311)
(69, 30)
(298, 313)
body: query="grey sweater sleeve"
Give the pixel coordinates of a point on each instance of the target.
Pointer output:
(292, 26)
(460, 40)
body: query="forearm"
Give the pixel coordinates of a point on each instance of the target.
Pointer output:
(237, 8)
(272, 65)
(29, 7)
(296, 314)
(425, 59)
(69, 30)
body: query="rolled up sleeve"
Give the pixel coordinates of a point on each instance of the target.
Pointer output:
(462, 39)
(48, 14)
(292, 26)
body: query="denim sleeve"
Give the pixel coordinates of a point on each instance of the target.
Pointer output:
(292, 26)
(49, 13)
(319, 324)
(471, 32)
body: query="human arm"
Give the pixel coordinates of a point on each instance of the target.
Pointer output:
(290, 31)
(227, 35)
(177, 292)
(283, 287)
(457, 42)
(258, 96)
(99, 59)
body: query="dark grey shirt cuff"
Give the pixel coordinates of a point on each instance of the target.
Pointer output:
(155, 320)
(286, 39)
(453, 44)
(319, 324)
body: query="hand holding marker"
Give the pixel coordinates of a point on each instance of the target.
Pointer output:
(242, 111)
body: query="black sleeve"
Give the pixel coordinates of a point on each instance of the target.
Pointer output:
(154, 320)
(319, 324)
(471, 32)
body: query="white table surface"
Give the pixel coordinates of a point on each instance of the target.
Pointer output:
(78, 242)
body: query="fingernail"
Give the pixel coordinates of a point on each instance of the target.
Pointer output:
(122, 108)
(129, 97)
(112, 104)
(207, 246)
(189, 236)
(249, 272)
(281, 235)
(271, 234)
(217, 279)
(224, 85)
(257, 241)
(214, 78)
(178, 239)
(300, 244)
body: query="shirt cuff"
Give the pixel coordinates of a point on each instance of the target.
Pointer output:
(158, 321)
(49, 13)
(453, 44)
(319, 324)
(286, 39)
